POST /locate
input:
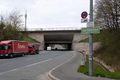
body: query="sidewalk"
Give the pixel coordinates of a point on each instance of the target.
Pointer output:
(68, 71)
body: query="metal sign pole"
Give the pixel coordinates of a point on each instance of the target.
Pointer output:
(91, 42)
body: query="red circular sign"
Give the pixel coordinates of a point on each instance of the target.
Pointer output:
(84, 14)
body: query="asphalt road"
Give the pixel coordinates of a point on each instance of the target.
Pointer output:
(32, 67)
(68, 71)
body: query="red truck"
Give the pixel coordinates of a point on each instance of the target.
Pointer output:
(34, 48)
(31, 49)
(11, 48)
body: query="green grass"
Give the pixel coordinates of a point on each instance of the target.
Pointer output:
(28, 39)
(99, 71)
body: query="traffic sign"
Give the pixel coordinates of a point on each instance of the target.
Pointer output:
(84, 20)
(90, 30)
(84, 14)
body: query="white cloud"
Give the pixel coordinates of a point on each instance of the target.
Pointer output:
(48, 12)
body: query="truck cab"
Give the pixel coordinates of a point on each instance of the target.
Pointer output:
(5, 49)
(31, 49)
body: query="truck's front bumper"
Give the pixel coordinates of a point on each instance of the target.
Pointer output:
(1, 55)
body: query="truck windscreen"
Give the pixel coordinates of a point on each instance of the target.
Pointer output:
(3, 47)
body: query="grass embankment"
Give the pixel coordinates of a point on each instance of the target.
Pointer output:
(99, 71)
(109, 52)
(29, 39)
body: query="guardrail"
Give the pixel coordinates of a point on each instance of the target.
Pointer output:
(54, 29)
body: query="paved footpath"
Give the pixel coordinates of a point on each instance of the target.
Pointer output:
(68, 71)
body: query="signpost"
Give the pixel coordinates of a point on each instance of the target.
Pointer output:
(91, 41)
(90, 24)
(84, 14)
(84, 17)
(84, 20)
(90, 30)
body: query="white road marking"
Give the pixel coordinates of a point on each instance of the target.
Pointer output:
(50, 72)
(16, 69)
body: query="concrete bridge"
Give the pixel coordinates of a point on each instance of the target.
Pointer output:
(65, 37)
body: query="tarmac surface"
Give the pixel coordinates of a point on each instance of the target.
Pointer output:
(68, 71)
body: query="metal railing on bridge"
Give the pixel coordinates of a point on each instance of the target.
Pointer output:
(54, 29)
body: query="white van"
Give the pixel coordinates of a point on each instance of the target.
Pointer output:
(49, 48)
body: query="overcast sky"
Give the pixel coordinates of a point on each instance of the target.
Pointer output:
(48, 13)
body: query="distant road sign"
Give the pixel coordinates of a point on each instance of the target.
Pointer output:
(84, 14)
(90, 30)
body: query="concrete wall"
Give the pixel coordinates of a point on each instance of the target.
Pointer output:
(85, 46)
(39, 37)
(76, 39)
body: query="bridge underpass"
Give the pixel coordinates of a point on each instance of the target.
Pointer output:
(58, 41)
(69, 39)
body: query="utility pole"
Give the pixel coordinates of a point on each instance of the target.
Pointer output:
(25, 21)
(1, 19)
(91, 41)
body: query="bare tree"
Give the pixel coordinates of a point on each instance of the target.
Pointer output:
(10, 26)
(15, 20)
(107, 14)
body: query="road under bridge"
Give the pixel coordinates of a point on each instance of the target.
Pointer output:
(68, 39)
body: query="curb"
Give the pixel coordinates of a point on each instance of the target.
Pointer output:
(50, 72)
(109, 68)
(51, 77)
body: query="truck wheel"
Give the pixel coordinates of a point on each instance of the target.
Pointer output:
(23, 54)
(33, 53)
(11, 55)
